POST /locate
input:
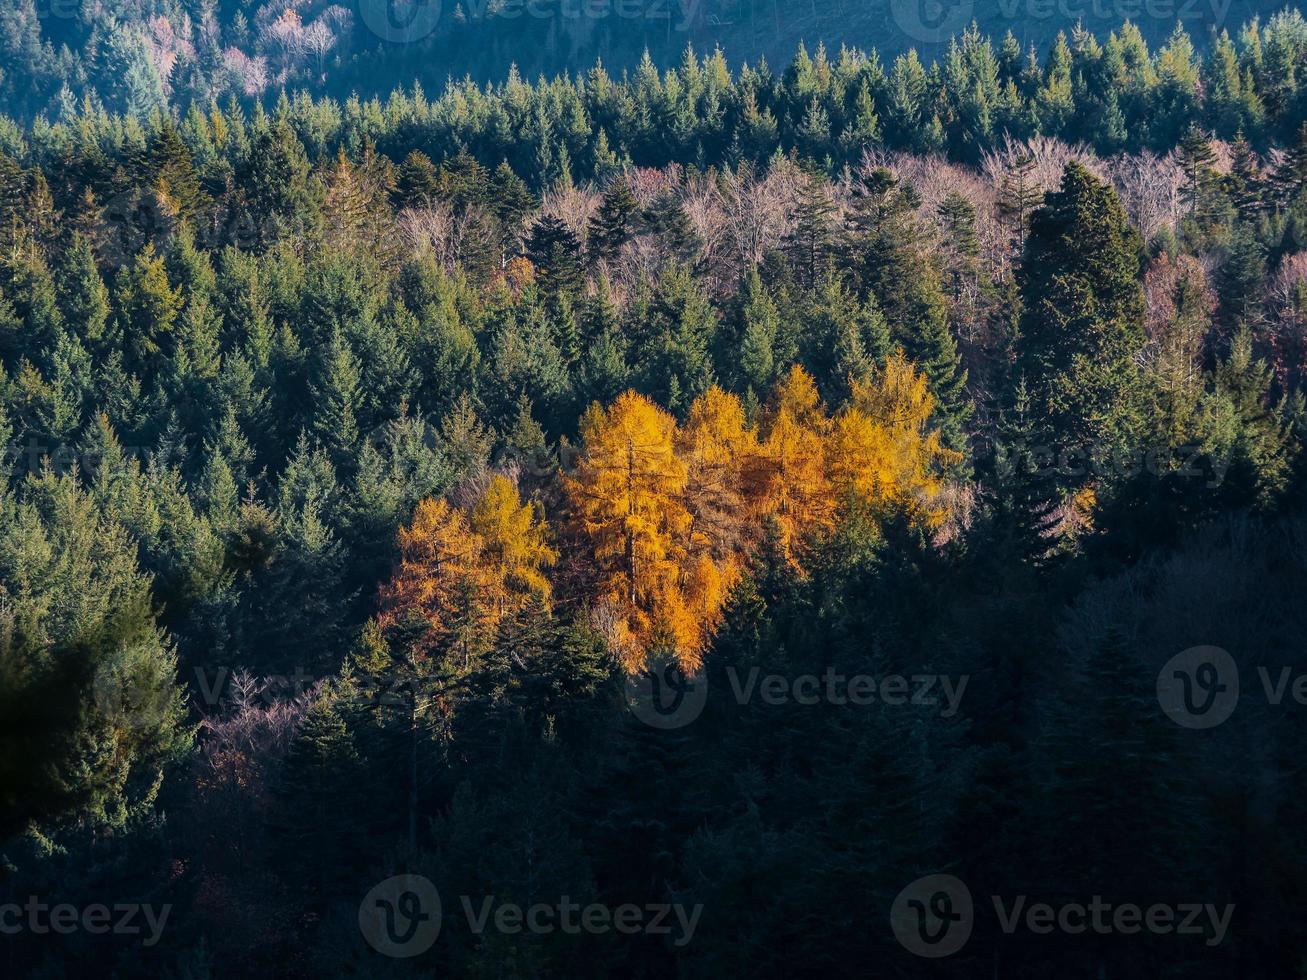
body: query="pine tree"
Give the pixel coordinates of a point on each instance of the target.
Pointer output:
(1018, 490)
(1018, 197)
(336, 397)
(313, 814)
(511, 201)
(170, 167)
(1290, 177)
(665, 218)
(148, 306)
(1242, 276)
(958, 218)
(1202, 183)
(906, 286)
(1245, 183)
(683, 326)
(417, 183)
(92, 710)
(754, 360)
(604, 369)
(466, 442)
(277, 182)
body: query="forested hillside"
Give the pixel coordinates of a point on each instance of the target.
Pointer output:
(374, 467)
(140, 55)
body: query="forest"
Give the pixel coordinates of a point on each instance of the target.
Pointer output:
(663, 523)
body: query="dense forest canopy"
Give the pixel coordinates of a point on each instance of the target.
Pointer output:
(140, 53)
(373, 465)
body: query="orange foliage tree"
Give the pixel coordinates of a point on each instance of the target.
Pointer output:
(789, 481)
(716, 447)
(671, 512)
(515, 545)
(460, 574)
(628, 496)
(882, 453)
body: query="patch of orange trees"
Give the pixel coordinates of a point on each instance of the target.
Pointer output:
(461, 573)
(670, 512)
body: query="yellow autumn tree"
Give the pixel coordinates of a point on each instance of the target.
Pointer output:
(627, 492)
(442, 580)
(515, 546)
(460, 574)
(883, 454)
(716, 446)
(788, 476)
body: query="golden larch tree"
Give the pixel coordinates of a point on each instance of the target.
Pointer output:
(628, 494)
(788, 477)
(883, 453)
(716, 447)
(515, 546)
(442, 578)
(461, 573)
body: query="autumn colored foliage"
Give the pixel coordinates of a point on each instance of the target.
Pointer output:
(671, 512)
(460, 573)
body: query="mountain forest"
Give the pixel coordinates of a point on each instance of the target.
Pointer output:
(730, 494)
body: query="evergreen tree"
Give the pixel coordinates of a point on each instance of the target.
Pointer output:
(811, 245)
(336, 397)
(906, 287)
(613, 223)
(1018, 198)
(556, 255)
(754, 359)
(1082, 320)
(417, 183)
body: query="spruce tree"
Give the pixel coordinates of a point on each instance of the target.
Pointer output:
(810, 247)
(613, 223)
(1082, 320)
(752, 359)
(556, 254)
(906, 286)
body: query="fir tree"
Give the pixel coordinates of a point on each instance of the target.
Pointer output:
(613, 223)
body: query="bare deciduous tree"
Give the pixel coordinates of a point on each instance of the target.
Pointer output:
(1150, 188)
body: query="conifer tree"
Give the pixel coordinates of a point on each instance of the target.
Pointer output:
(614, 223)
(556, 254)
(1082, 319)
(811, 245)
